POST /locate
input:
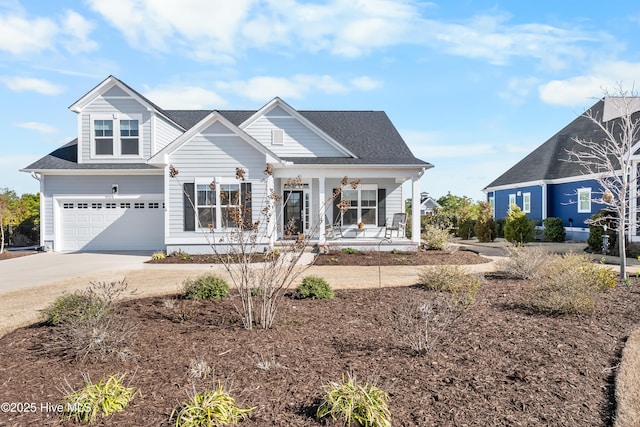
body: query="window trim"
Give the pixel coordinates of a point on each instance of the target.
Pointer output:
(115, 118)
(358, 208)
(581, 191)
(526, 202)
(219, 182)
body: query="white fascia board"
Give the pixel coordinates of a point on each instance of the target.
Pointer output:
(107, 84)
(294, 113)
(93, 172)
(162, 156)
(545, 182)
(359, 171)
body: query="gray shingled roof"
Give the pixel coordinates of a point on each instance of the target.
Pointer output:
(66, 157)
(370, 135)
(546, 161)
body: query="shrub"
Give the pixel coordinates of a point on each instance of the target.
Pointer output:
(498, 227)
(596, 230)
(363, 405)
(158, 255)
(484, 226)
(349, 251)
(209, 408)
(437, 218)
(77, 307)
(435, 237)
(208, 286)
(571, 284)
(462, 286)
(314, 287)
(466, 228)
(553, 230)
(518, 228)
(525, 262)
(102, 399)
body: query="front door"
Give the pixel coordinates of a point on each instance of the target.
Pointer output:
(293, 208)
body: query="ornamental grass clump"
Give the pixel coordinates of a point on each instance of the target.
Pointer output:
(570, 285)
(525, 262)
(211, 408)
(359, 405)
(314, 287)
(74, 308)
(208, 286)
(453, 279)
(106, 397)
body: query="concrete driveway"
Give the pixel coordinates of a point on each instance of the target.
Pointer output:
(43, 268)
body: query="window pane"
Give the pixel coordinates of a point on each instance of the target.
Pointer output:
(352, 196)
(129, 146)
(369, 216)
(104, 146)
(231, 217)
(229, 194)
(368, 198)
(128, 128)
(205, 196)
(207, 216)
(103, 127)
(350, 217)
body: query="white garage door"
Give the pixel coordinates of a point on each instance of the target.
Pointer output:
(113, 225)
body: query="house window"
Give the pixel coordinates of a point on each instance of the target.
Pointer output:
(67, 206)
(129, 137)
(512, 200)
(96, 205)
(103, 134)
(125, 205)
(526, 202)
(138, 205)
(112, 137)
(362, 206)
(492, 203)
(584, 200)
(217, 205)
(154, 205)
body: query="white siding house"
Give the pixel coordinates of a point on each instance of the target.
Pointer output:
(111, 189)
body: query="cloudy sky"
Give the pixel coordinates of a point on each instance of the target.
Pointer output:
(472, 86)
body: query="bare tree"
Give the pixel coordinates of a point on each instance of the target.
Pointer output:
(261, 274)
(608, 157)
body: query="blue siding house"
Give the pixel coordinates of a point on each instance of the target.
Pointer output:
(544, 184)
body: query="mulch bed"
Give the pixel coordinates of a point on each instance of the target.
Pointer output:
(497, 363)
(9, 255)
(374, 258)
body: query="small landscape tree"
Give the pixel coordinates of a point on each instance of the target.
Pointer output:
(517, 227)
(608, 156)
(484, 224)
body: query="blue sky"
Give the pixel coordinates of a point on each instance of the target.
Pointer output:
(472, 86)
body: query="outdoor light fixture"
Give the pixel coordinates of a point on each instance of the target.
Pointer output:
(114, 189)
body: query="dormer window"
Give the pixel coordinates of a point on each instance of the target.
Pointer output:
(113, 137)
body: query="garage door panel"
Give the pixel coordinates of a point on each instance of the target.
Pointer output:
(121, 227)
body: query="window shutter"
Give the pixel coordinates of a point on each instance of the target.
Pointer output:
(382, 207)
(245, 201)
(336, 209)
(189, 212)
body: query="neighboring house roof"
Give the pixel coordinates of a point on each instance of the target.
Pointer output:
(66, 157)
(547, 162)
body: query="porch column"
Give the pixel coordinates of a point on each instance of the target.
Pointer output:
(321, 211)
(415, 209)
(271, 225)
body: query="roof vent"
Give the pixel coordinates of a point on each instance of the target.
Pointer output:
(277, 137)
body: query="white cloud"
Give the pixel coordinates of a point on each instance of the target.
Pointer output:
(20, 35)
(518, 89)
(581, 90)
(365, 83)
(185, 97)
(22, 84)
(78, 28)
(222, 31)
(38, 127)
(264, 88)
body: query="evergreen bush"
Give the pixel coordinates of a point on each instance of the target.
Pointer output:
(518, 228)
(553, 230)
